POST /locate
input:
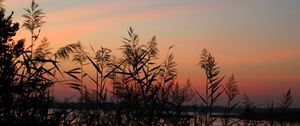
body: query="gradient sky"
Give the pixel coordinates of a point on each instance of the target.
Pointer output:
(256, 40)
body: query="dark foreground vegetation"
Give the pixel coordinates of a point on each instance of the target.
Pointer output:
(145, 92)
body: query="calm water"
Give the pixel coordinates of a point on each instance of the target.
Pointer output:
(218, 122)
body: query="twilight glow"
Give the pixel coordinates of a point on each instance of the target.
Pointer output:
(257, 41)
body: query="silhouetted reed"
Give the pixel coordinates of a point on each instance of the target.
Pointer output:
(144, 91)
(212, 87)
(33, 20)
(231, 90)
(26, 98)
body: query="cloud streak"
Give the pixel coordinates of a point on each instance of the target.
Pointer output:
(80, 13)
(67, 28)
(278, 56)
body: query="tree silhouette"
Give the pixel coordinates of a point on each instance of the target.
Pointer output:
(25, 98)
(8, 52)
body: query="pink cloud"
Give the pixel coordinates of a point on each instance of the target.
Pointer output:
(263, 58)
(14, 3)
(73, 29)
(82, 12)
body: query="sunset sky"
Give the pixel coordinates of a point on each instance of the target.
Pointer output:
(256, 40)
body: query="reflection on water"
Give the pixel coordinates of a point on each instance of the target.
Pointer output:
(218, 122)
(199, 120)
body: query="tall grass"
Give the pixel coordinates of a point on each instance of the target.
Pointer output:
(33, 20)
(213, 85)
(145, 91)
(231, 91)
(25, 97)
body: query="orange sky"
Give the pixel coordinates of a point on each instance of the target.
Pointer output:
(257, 41)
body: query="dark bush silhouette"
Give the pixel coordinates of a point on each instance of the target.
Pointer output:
(25, 81)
